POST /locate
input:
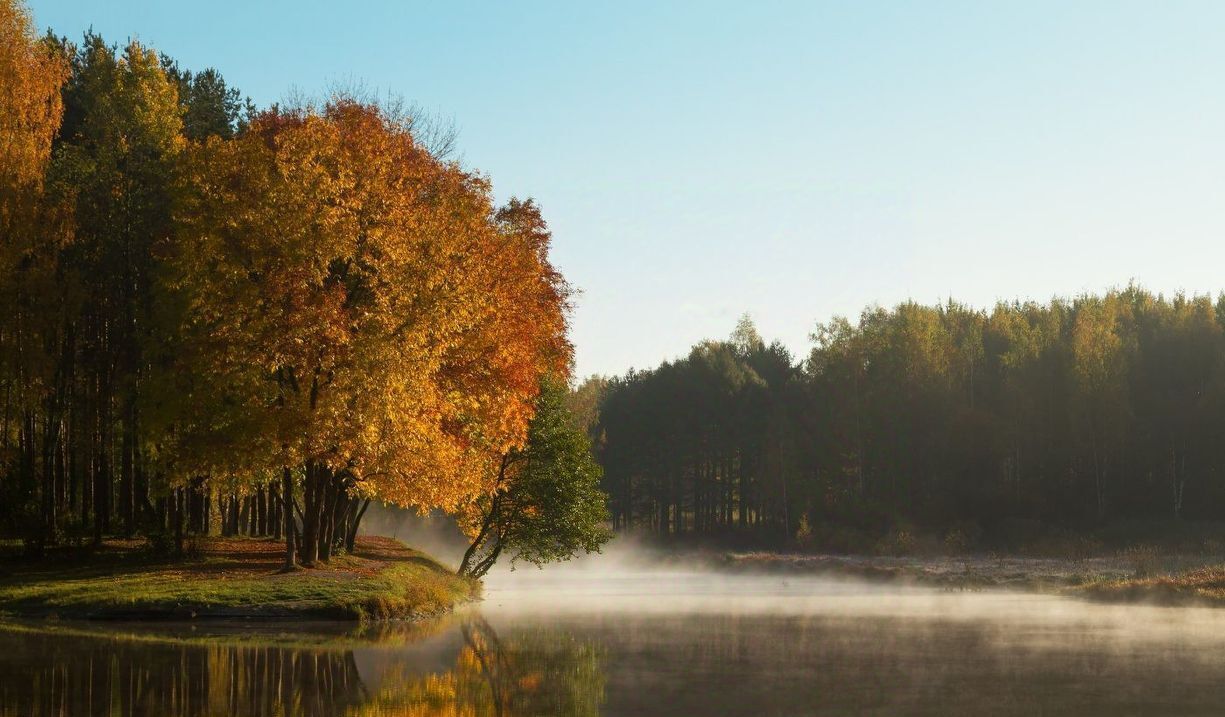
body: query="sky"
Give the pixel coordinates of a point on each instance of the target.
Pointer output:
(792, 160)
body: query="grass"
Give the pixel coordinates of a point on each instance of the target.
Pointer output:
(236, 578)
(1202, 586)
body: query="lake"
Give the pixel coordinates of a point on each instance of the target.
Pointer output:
(645, 642)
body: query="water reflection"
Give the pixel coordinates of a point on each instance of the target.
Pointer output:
(62, 675)
(545, 672)
(463, 668)
(806, 653)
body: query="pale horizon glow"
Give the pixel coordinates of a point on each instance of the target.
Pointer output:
(792, 160)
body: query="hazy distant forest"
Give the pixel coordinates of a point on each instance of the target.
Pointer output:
(969, 426)
(254, 321)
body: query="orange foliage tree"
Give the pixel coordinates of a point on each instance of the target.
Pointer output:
(31, 232)
(30, 106)
(355, 315)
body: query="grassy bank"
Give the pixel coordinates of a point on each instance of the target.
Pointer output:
(1200, 587)
(234, 578)
(965, 572)
(1132, 576)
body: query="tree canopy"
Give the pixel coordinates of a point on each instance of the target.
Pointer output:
(211, 307)
(1075, 413)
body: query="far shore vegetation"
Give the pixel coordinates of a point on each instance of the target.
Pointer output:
(1076, 425)
(1201, 587)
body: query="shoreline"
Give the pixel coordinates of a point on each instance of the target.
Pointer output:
(236, 579)
(303, 634)
(1197, 581)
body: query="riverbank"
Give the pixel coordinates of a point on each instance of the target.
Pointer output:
(1202, 587)
(234, 579)
(1103, 578)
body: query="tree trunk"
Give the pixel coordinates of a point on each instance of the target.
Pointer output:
(466, 567)
(327, 521)
(275, 519)
(126, 469)
(351, 537)
(340, 518)
(310, 515)
(287, 503)
(179, 501)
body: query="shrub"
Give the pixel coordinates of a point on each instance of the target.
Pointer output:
(898, 541)
(1145, 560)
(804, 537)
(961, 537)
(955, 541)
(159, 544)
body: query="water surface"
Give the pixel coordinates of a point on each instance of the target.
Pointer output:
(572, 642)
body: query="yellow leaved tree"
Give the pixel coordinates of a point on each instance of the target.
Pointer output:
(31, 232)
(354, 315)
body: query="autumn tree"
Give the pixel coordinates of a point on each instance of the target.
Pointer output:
(209, 309)
(32, 231)
(85, 228)
(31, 74)
(360, 314)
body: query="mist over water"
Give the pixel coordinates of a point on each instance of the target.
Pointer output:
(685, 640)
(672, 635)
(627, 579)
(636, 632)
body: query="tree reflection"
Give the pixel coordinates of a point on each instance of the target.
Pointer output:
(545, 672)
(61, 675)
(64, 676)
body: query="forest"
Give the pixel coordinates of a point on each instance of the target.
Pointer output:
(962, 424)
(256, 321)
(220, 318)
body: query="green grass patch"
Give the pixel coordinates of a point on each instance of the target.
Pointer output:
(239, 578)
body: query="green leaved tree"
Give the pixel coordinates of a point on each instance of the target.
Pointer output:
(546, 504)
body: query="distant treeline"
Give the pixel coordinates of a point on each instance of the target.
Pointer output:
(1074, 413)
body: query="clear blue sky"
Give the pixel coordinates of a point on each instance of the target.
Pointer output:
(795, 160)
